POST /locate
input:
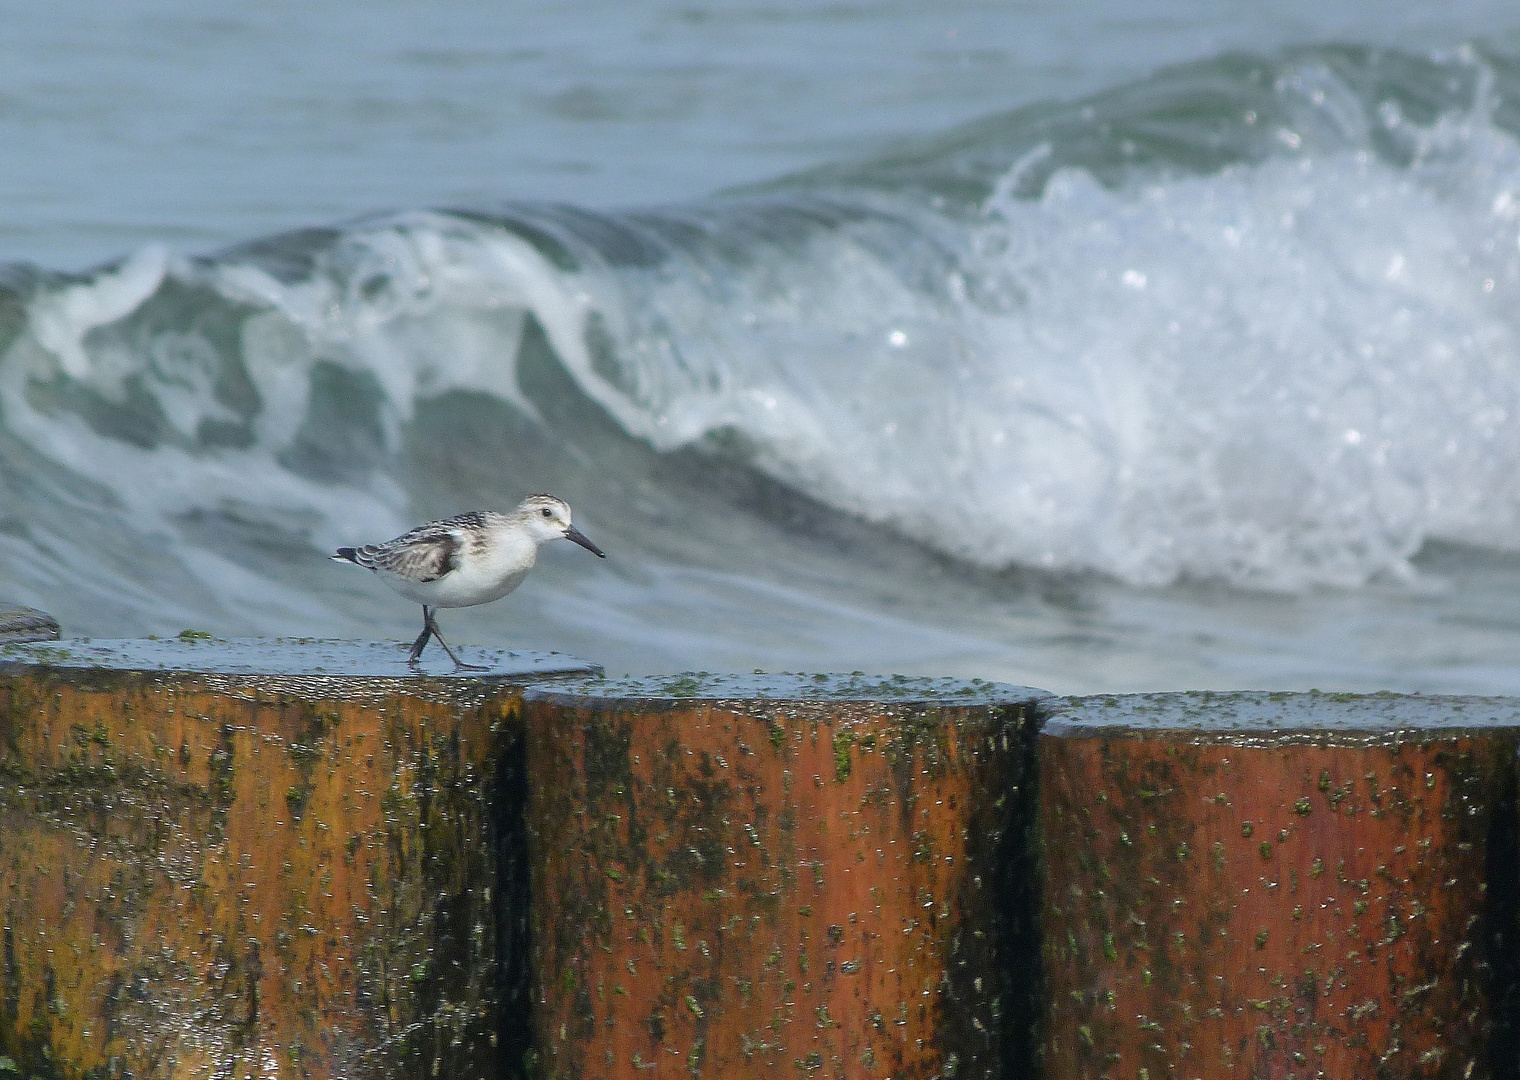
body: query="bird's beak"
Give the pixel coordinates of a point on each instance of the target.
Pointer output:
(572, 533)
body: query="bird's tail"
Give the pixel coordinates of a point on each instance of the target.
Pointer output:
(346, 555)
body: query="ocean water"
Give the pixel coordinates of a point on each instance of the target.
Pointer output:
(1091, 346)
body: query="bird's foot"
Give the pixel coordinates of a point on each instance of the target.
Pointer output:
(460, 666)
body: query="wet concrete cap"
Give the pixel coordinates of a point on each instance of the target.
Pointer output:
(1253, 717)
(196, 652)
(788, 686)
(26, 624)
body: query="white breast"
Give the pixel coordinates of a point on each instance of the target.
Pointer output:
(486, 571)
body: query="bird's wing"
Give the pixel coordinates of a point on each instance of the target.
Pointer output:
(424, 554)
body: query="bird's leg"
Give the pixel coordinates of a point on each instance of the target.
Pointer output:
(459, 665)
(422, 638)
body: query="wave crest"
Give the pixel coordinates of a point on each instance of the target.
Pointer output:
(1252, 320)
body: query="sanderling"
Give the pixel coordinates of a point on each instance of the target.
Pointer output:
(466, 560)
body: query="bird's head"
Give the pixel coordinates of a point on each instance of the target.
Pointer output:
(547, 518)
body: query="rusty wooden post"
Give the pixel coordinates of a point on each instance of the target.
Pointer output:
(816, 875)
(250, 858)
(1279, 885)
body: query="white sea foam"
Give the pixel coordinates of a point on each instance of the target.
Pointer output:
(1286, 374)
(61, 318)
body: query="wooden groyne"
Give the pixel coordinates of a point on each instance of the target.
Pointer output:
(801, 876)
(259, 858)
(299, 859)
(1280, 885)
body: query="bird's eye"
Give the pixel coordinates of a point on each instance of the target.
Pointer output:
(548, 512)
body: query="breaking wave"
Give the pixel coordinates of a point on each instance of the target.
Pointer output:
(1254, 320)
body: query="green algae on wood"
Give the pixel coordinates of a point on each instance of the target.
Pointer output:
(735, 874)
(231, 858)
(1349, 918)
